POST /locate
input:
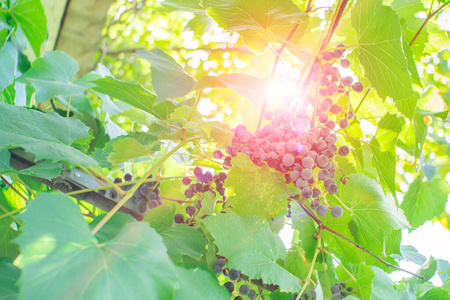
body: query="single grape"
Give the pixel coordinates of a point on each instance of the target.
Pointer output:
(343, 123)
(357, 87)
(152, 195)
(145, 189)
(323, 175)
(198, 204)
(178, 218)
(322, 210)
(198, 187)
(324, 80)
(332, 189)
(311, 137)
(186, 181)
(190, 210)
(234, 274)
(315, 203)
(321, 145)
(153, 204)
(335, 288)
(218, 154)
(336, 211)
(324, 106)
(300, 183)
(330, 124)
(328, 153)
(244, 289)
(349, 289)
(337, 53)
(268, 115)
(337, 297)
(219, 264)
(344, 150)
(335, 109)
(323, 118)
(128, 177)
(288, 159)
(322, 161)
(223, 176)
(328, 56)
(229, 286)
(307, 192)
(345, 63)
(329, 182)
(294, 175)
(350, 115)
(198, 171)
(347, 80)
(252, 294)
(308, 162)
(332, 88)
(316, 192)
(307, 174)
(142, 207)
(240, 129)
(312, 154)
(118, 180)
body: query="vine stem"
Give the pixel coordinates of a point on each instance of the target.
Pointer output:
(13, 188)
(68, 106)
(25, 185)
(322, 226)
(11, 213)
(118, 189)
(199, 97)
(308, 6)
(337, 261)
(177, 200)
(275, 64)
(311, 269)
(362, 100)
(429, 17)
(12, 216)
(131, 192)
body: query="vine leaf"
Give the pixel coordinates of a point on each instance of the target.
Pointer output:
(57, 246)
(198, 284)
(134, 94)
(7, 69)
(46, 135)
(201, 21)
(365, 197)
(7, 233)
(254, 250)
(382, 55)
(258, 21)
(30, 15)
(169, 80)
(261, 191)
(52, 76)
(382, 147)
(382, 286)
(9, 276)
(133, 145)
(425, 200)
(112, 228)
(45, 169)
(435, 294)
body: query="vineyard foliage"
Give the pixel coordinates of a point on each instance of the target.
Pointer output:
(275, 150)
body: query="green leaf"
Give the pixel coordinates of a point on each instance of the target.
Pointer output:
(7, 232)
(236, 15)
(382, 286)
(7, 69)
(183, 240)
(9, 277)
(134, 94)
(420, 128)
(112, 228)
(52, 76)
(161, 217)
(369, 205)
(382, 54)
(435, 294)
(198, 284)
(261, 191)
(382, 147)
(364, 276)
(46, 135)
(306, 228)
(169, 80)
(133, 145)
(45, 169)
(201, 21)
(425, 200)
(410, 253)
(428, 270)
(30, 15)
(253, 250)
(57, 246)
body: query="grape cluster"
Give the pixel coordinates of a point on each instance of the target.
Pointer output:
(338, 291)
(147, 195)
(203, 182)
(235, 276)
(305, 155)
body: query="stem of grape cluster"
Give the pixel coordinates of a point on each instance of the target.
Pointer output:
(131, 192)
(311, 269)
(322, 226)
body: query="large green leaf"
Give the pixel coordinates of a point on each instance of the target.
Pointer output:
(425, 200)
(382, 286)
(52, 76)
(183, 240)
(57, 246)
(45, 169)
(435, 294)
(133, 93)
(133, 145)
(169, 80)
(9, 277)
(252, 248)
(369, 205)
(198, 284)
(382, 146)
(46, 135)
(382, 55)
(260, 191)
(7, 69)
(364, 276)
(30, 15)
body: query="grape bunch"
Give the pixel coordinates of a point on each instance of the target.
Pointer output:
(147, 195)
(235, 277)
(203, 182)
